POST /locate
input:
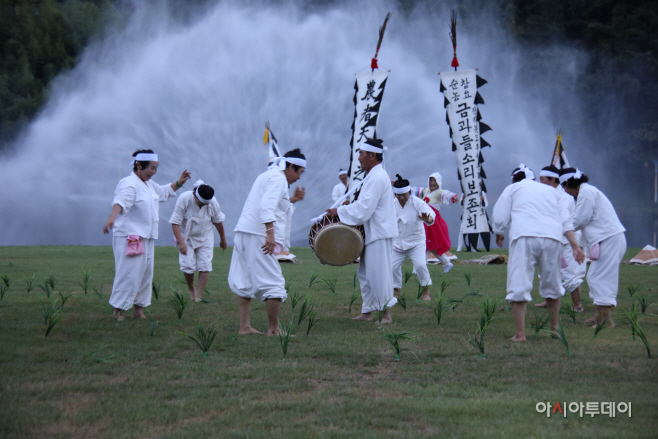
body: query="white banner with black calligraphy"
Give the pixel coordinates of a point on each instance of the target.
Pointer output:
(461, 100)
(368, 94)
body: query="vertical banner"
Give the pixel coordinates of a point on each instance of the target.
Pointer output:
(271, 142)
(461, 99)
(559, 159)
(368, 94)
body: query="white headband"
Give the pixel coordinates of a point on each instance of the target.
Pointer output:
(529, 175)
(401, 190)
(146, 157)
(293, 160)
(547, 173)
(370, 148)
(342, 171)
(575, 175)
(198, 183)
(199, 197)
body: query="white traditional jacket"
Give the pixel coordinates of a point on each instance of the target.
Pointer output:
(140, 204)
(339, 191)
(196, 222)
(595, 215)
(530, 209)
(374, 207)
(268, 201)
(410, 227)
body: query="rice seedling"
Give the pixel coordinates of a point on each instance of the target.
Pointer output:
(353, 298)
(66, 296)
(561, 337)
(643, 302)
(488, 310)
(393, 338)
(454, 303)
(106, 359)
(99, 292)
(155, 324)
(419, 291)
(84, 284)
(354, 280)
(541, 320)
(632, 288)
(478, 343)
(312, 319)
(285, 334)
(634, 327)
(381, 310)
(407, 275)
(204, 337)
(402, 300)
(51, 315)
(437, 308)
(52, 281)
(288, 287)
(331, 284)
(306, 307)
(445, 283)
(567, 308)
(178, 303)
(155, 288)
(46, 288)
(295, 297)
(29, 283)
(600, 326)
(468, 275)
(3, 291)
(314, 279)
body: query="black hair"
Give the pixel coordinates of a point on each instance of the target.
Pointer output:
(206, 192)
(379, 143)
(518, 176)
(573, 183)
(400, 182)
(551, 168)
(297, 154)
(144, 164)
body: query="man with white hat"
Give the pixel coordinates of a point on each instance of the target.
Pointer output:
(375, 211)
(196, 212)
(340, 188)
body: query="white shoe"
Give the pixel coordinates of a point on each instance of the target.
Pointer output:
(447, 267)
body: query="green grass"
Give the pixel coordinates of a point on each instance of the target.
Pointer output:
(92, 377)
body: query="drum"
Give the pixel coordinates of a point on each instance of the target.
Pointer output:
(336, 243)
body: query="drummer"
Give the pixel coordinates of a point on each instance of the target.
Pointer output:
(374, 209)
(412, 213)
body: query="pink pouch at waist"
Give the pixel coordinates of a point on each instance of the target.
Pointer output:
(135, 246)
(594, 251)
(277, 249)
(564, 262)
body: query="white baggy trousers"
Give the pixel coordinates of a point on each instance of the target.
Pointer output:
(526, 253)
(133, 276)
(253, 274)
(573, 274)
(603, 274)
(376, 276)
(419, 261)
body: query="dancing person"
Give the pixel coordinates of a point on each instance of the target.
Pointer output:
(536, 225)
(134, 223)
(605, 237)
(572, 272)
(374, 209)
(255, 272)
(412, 213)
(340, 188)
(197, 212)
(437, 239)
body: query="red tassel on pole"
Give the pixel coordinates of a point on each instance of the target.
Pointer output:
(373, 64)
(455, 63)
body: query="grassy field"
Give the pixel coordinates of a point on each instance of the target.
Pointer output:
(94, 377)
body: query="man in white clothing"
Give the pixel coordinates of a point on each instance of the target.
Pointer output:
(412, 213)
(536, 225)
(196, 212)
(255, 273)
(572, 272)
(340, 188)
(374, 209)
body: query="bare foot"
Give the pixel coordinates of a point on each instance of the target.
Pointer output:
(426, 295)
(118, 316)
(396, 292)
(578, 308)
(541, 305)
(198, 299)
(139, 316)
(249, 330)
(610, 324)
(273, 333)
(387, 319)
(517, 339)
(591, 321)
(364, 317)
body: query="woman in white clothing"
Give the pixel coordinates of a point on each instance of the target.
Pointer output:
(134, 223)
(605, 238)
